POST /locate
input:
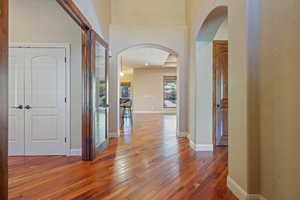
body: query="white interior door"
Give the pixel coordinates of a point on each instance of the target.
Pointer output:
(16, 139)
(45, 92)
(37, 91)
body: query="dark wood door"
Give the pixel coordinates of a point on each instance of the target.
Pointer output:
(3, 97)
(220, 63)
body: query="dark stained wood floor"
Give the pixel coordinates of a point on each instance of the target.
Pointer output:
(147, 163)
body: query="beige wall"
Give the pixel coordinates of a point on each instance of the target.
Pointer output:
(222, 33)
(279, 88)
(148, 90)
(203, 91)
(145, 12)
(44, 21)
(103, 10)
(238, 95)
(98, 14)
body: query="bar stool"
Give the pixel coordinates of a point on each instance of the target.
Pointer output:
(126, 111)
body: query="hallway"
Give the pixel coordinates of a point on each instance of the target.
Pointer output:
(148, 162)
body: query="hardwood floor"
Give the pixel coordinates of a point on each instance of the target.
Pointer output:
(147, 162)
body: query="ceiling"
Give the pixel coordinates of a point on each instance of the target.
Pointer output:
(146, 57)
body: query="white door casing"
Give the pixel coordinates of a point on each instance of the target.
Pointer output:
(16, 139)
(44, 91)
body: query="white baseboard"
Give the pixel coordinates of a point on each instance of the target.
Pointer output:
(201, 147)
(113, 134)
(188, 136)
(154, 112)
(255, 197)
(240, 193)
(75, 152)
(182, 134)
(262, 198)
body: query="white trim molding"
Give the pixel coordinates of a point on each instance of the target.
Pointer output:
(188, 136)
(182, 134)
(201, 147)
(240, 193)
(75, 152)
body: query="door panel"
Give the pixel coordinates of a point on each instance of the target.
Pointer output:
(16, 144)
(45, 101)
(43, 84)
(221, 92)
(99, 95)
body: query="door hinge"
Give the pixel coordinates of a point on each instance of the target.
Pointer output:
(65, 139)
(65, 99)
(65, 59)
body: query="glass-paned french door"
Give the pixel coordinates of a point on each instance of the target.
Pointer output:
(99, 94)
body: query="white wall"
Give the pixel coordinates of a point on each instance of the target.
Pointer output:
(44, 21)
(148, 92)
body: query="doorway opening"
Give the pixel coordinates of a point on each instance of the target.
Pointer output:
(148, 83)
(220, 92)
(212, 79)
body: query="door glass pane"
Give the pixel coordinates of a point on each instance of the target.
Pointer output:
(100, 114)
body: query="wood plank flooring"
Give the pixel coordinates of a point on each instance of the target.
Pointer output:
(147, 163)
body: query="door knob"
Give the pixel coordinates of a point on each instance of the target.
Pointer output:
(20, 107)
(218, 105)
(28, 107)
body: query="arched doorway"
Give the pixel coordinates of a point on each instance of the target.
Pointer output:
(212, 80)
(164, 98)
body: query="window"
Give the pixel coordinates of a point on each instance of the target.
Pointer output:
(170, 93)
(126, 90)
